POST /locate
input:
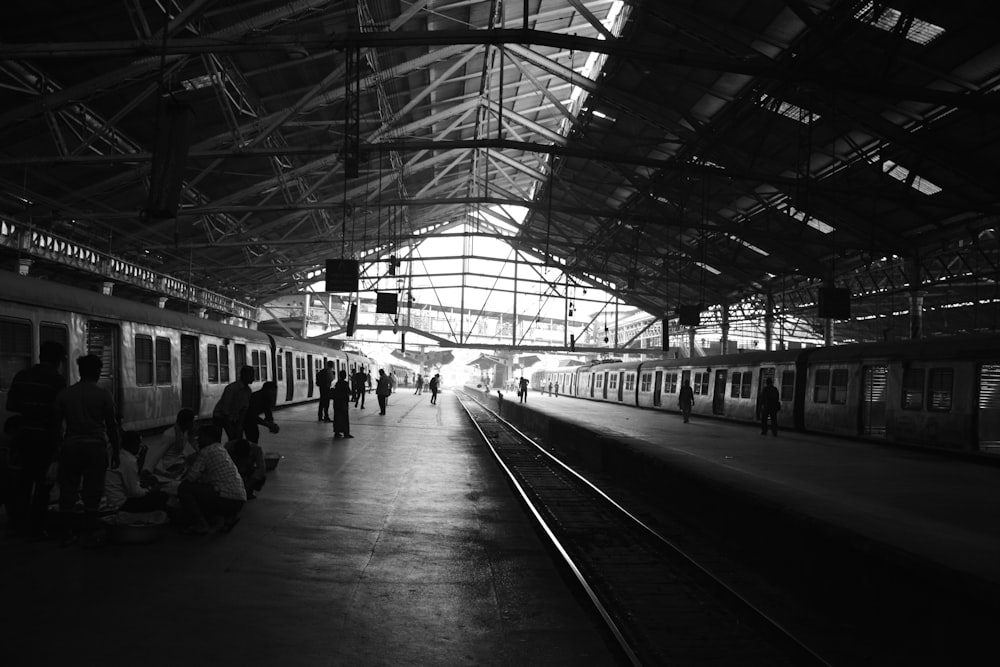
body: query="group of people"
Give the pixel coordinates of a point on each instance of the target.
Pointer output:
(101, 469)
(338, 392)
(768, 405)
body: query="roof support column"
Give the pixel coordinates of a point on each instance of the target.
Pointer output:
(725, 328)
(916, 298)
(769, 321)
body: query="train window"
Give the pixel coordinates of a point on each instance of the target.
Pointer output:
(734, 392)
(746, 381)
(163, 361)
(300, 368)
(629, 381)
(838, 386)
(600, 381)
(670, 383)
(279, 366)
(940, 389)
(787, 385)
(258, 359)
(213, 364)
(646, 382)
(913, 388)
(821, 390)
(15, 349)
(143, 360)
(613, 381)
(224, 365)
(700, 386)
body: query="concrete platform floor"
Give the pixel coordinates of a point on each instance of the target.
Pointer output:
(401, 546)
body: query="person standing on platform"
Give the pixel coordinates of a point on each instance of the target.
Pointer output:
(324, 380)
(232, 407)
(91, 425)
(32, 394)
(382, 391)
(359, 385)
(770, 403)
(341, 407)
(685, 400)
(522, 389)
(420, 385)
(434, 384)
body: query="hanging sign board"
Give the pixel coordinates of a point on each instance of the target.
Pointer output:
(342, 275)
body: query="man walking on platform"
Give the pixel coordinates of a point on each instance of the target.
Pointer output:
(685, 400)
(359, 386)
(522, 389)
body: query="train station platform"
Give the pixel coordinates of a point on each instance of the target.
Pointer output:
(401, 546)
(886, 532)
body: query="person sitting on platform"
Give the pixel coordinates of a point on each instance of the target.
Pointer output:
(212, 487)
(122, 490)
(168, 454)
(249, 460)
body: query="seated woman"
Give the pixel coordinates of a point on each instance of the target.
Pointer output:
(167, 455)
(249, 460)
(122, 490)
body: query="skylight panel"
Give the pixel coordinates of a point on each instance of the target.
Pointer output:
(788, 110)
(887, 18)
(901, 174)
(810, 221)
(746, 244)
(710, 269)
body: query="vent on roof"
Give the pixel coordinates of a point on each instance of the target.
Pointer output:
(888, 19)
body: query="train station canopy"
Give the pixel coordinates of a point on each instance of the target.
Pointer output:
(728, 156)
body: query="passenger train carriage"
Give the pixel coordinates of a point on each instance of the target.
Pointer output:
(156, 361)
(938, 392)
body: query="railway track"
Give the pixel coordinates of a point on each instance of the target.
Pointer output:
(662, 607)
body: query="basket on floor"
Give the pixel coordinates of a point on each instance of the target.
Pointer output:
(271, 461)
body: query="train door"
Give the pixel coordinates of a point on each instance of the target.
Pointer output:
(719, 392)
(604, 384)
(190, 376)
(309, 375)
(873, 390)
(658, 389)
(989, 408)
(103, 340)
(239, 357)
(621, 386)
(289, 376)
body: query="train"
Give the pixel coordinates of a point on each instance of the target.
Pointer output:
(156, 361)
(940, 392)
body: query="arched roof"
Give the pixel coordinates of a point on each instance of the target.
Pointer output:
(670, 152)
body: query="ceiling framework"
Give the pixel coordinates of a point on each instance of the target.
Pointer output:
(731, 154)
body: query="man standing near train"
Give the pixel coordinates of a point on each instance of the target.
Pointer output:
(324, 380)
(770, 403)
(234, 404)
(33, 394)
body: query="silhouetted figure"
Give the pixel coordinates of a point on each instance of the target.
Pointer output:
(231, 409)
(434, 385)
(522, 389)
(324, 380)
(342, 407)
(32, 395)
(685, 400)
(770, 403)
(382, 390)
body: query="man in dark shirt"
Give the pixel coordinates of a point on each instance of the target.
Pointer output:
(33, 395)
(359, 386)
(770, 403)
(91, 426)
(324, 380)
